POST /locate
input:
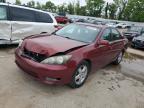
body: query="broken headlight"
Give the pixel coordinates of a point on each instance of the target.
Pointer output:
(58, 60)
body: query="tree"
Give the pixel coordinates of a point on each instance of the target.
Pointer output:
(38, 5)
(62, 8)
(31, 4)
(77, 8)
(135, 11)
(4, 1)
(106, 10)
(131, 10)
(112, 11)
(18, 2)
(83, 10)
(94, 7)
(50, 6)
(70, 8)
(121, 5)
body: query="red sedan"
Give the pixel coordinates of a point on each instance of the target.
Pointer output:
(61, 19)
(68, 55)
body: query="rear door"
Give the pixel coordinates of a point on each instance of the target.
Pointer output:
(25, 22)
(5, 24)
(117, 43)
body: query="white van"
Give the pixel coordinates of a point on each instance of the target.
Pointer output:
(17, 22)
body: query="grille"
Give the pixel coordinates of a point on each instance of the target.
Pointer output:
(34, 56)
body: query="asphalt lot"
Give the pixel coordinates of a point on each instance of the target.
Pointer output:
(106, 88)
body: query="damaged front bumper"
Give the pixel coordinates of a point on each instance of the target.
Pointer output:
(48, 74)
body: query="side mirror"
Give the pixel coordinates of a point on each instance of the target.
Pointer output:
(103, 42)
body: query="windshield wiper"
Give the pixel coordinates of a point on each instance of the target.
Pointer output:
(75, 39)
(70, 38)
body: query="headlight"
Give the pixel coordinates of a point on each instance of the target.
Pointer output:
(57, 60)
(20, 43)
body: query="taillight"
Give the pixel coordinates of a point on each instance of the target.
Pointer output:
(58, 27)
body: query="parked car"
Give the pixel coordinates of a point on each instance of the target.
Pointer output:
(61, 19)
(68, 55)
(98, 22)
(138, 42)
(74, 19)
(17, 22)
(111, 25)
(82, 20)
(134, 31)
(123, 25)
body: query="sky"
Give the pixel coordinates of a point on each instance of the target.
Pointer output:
(57, 2)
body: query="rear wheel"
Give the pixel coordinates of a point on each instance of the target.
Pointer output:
(119, 58)
(133, 45)
(80, 75)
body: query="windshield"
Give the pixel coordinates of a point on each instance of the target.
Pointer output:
(79, 32)
(135, 29)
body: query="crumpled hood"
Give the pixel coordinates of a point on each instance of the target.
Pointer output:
(50, 45)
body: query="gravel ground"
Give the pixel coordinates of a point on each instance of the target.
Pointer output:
(106, 88)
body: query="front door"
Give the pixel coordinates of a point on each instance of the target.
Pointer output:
(102, 53)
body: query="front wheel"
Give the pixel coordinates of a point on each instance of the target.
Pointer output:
(118, 58)
(80, 75)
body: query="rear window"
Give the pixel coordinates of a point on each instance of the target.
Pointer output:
(3, 13)
(20, 14)
(43, 17)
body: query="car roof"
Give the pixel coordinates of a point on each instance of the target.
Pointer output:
(138, 26)
(24, 7)
(93, 25)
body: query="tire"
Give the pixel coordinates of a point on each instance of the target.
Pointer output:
(134, 46)
(79, 77)
(118, 58)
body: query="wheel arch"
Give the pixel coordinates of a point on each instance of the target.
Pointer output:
(89, 62)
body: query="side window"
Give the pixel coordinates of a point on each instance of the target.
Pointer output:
(115, 35)
(43, 17)
(143, 30)
(20, 14)
(3, 13)
(106, 35)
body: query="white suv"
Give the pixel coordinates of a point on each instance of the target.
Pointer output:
(17, 22)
